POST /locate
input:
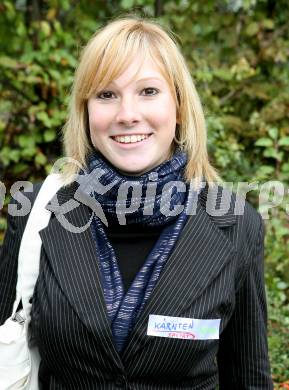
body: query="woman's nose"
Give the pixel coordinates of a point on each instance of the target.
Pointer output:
(128, 113)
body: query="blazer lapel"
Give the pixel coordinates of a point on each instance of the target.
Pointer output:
(72, 256)
(199, 256)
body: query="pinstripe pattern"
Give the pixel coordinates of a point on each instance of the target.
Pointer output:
(215, 271)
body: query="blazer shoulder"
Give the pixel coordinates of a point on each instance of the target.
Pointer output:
(226, 208)
(253, 227)
(29, 192)
(221, 203)
(19, 209)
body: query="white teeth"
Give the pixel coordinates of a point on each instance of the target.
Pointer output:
(130, 138)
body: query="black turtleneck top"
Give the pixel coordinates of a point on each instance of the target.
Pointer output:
(132, 244)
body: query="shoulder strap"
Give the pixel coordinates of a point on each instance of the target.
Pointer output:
(30, 247)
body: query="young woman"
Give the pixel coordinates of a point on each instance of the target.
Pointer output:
(141, 285)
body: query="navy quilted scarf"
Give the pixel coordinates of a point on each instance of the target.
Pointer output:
(150, 195)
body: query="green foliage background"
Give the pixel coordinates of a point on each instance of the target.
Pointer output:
(238, 54)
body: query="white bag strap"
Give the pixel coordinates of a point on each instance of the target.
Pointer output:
(30, 247)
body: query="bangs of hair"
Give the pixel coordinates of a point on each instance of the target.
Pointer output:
(106, 58)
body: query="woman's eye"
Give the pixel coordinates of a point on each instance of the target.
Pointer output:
(151, 91)
(104, 95)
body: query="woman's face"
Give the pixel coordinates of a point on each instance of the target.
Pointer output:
(132, 122)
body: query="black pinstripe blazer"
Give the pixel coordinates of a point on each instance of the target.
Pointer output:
(215, 271)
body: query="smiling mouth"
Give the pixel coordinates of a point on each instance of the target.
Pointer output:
(130, 139)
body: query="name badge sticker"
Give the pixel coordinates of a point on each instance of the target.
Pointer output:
(183, 328)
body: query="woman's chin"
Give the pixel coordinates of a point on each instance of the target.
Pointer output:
(133, 169)
(132, 172)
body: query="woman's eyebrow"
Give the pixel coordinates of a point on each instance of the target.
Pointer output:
(149, 79)
(113, 83)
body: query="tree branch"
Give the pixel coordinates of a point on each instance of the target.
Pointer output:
(158, 8)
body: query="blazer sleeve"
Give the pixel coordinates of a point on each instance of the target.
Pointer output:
(243, 351)
(9, 257)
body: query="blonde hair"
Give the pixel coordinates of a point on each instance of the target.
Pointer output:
(104, 58)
